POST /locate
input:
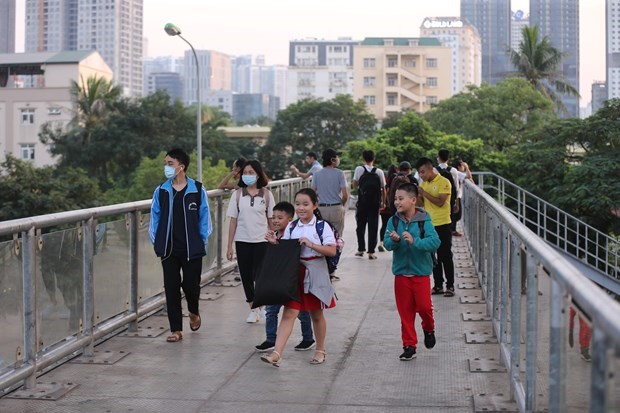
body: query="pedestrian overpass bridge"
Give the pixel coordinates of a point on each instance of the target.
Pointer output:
(81, 298)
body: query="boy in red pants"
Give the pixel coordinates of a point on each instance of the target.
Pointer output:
(412, 237)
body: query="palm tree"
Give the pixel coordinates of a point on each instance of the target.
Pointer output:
(93, 99)
(537, 61)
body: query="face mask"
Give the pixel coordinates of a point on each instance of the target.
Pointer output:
(249, 180)
(169, 171)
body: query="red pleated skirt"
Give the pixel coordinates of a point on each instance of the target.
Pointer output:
(308, 301)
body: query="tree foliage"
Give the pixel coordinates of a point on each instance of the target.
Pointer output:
(314, 125)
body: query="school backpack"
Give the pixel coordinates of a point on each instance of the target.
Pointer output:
(422, 233)
(369, 187)
(445, 172)
(332, 262)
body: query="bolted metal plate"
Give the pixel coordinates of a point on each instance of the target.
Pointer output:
(463, 264)
(472, 299)
(480, 337)
(229, 283)
(101, 357)
(145, 332)
(43, 391)
(485, 403)
(475, 316)
(468, 285)
(491, 365)
(211, 295)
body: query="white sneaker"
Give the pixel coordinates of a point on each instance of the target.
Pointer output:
(252, 317)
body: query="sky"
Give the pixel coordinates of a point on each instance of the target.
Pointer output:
(265, 27)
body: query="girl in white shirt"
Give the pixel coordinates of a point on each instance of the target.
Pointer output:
(313, 277)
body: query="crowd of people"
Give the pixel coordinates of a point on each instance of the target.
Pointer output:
(418, 211)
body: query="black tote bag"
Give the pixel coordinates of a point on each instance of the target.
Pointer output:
(277, 280)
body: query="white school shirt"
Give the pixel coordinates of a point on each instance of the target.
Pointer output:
(359, 170)
(309, 231)
(252, 224)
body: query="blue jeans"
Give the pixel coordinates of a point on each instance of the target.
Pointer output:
(271, 323)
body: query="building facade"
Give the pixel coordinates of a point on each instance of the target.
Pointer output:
(169, 82)
(24, 110)
(396, 74)
(7, 26)
(215, 74)
(518, 21)
(599, 95)
(612, 34)
(112, 27)
(492, 20)
(161, 64)
(319, 69)
(466, 47)
(559, 20)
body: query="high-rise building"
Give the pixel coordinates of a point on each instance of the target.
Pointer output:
(7, 26)
(215, 74)
(161, 64)
(559, 20)
(464, 41)
(492, 19)
(319, 69)
(518, 22)
(397, 74)
(112, 27)
(599, 95)
(613, 48)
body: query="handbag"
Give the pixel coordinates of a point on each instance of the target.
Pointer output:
(277, 281)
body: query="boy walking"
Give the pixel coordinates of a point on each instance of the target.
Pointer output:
(412, 237)
(283, 213)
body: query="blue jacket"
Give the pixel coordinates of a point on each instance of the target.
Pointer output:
(416, 258)
(197, 222)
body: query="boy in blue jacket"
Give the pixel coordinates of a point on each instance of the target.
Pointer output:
(412, 237)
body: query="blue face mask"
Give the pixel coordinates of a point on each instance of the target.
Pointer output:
(169, 171)
(249, 180)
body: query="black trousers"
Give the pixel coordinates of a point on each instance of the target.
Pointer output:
(367, 214)
(190, 283)
(384, 221)
(456, 217)
(249, 259)
(445, 264)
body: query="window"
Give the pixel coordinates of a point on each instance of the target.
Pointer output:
(391, 100)
(392, 62)
(27, 116)
(370, 81)
(369, 62)
(431, 62)
(392, 80)
(409, 63)
(53, 111)
(431, 100)
(370, 100)
(431, 82)
(27, 151)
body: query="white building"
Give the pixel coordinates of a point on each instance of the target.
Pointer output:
(215, 74)
(23, 111)
(466, 46)
(319, 69)
(613, 48)
(112, 27)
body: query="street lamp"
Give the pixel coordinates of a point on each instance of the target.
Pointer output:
(173, 30)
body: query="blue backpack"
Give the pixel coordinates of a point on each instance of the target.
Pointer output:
(332, 262)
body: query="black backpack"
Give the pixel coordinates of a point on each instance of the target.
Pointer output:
(445, 172)
(369, 187)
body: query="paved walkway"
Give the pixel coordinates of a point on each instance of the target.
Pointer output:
(217, 370)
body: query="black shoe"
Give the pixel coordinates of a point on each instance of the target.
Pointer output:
(265, 346)
(304, 345)
(429, 339)
(408, 354)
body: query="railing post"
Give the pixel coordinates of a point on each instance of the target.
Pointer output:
(134, 219)
(497, 256)
(531, 346)
(30, 304)
(219, 234)
(503, 339)
(600, 386)
(490, 243)
(557, 350)
(88, 286)
(515, 316)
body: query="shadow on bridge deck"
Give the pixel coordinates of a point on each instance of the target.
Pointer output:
(217, 370)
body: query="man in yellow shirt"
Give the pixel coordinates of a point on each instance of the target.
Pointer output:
(434, 196)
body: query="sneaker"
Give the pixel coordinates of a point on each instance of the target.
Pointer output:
(305, 345)
(429, 339)
(381, 248)
(265, 346)
(585, 354)
(252, 317)
(408, 354)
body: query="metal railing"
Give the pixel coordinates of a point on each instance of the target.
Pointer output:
(529, 289)
(566, 232)
(99, 277)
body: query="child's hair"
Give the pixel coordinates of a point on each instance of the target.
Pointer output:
(285, 207)
(313, 197)
(410, 188)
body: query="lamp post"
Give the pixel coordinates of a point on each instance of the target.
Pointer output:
(173, 30)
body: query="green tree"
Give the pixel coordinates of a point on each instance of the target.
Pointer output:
(538, 62)
(501, 115)
(314, 125)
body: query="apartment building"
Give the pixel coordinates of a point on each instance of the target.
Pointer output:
(396, 74)
(7, 26)
(215, 73)
(24, 110)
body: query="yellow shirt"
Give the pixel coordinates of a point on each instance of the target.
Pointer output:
(439, 185)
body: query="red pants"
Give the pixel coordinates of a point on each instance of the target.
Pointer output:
(413, 295)
(585, 332)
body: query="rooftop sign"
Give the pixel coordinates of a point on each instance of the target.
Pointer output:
(428, 24)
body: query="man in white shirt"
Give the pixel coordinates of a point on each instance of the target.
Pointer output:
(370, 183)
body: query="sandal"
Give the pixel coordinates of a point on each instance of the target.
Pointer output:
(449, 292)
(174, 337)
(194, 321)
(316, 360)
(437, 290)
(269, 359)
(372, 256)
(359, 254)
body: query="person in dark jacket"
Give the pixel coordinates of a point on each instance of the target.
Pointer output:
(179, 227)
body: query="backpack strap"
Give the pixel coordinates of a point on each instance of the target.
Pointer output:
(319, 226)
(292, 227)
(373, 170)
(199, 188)
(261, 193)
(420, 225)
